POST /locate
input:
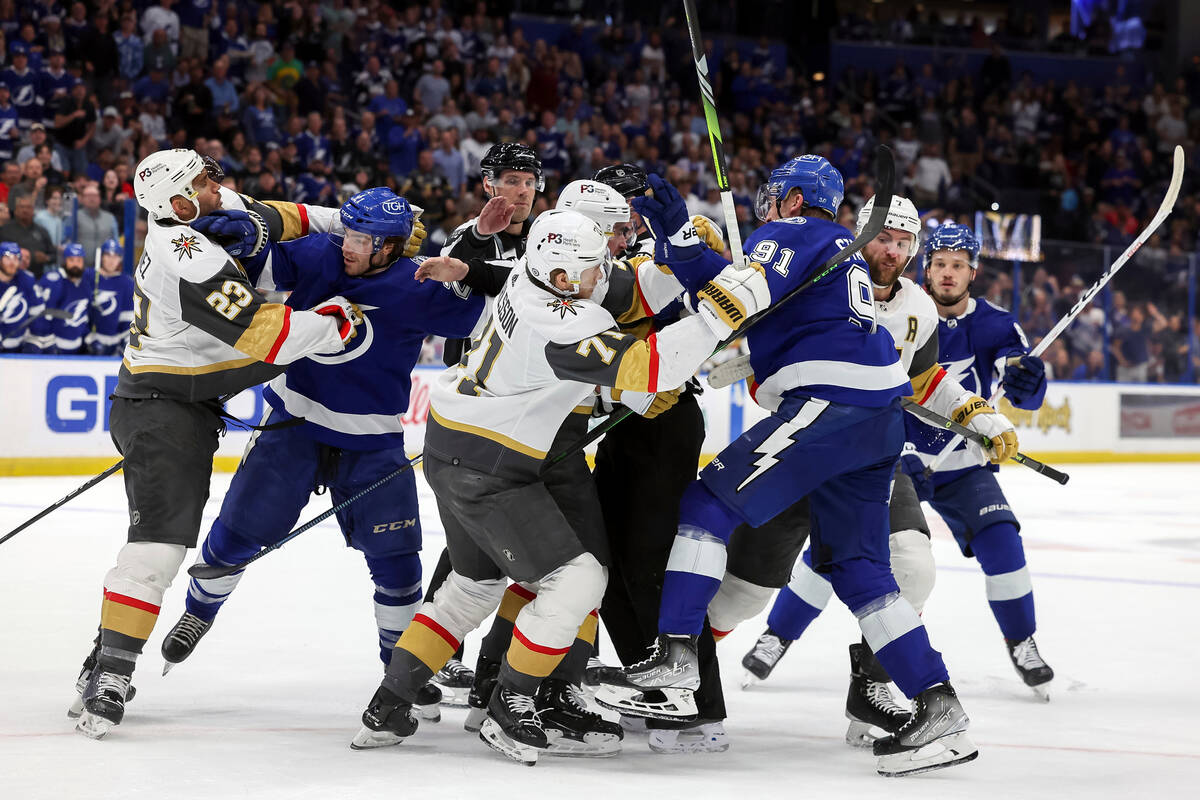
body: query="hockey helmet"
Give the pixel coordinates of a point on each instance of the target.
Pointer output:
(561, 239)
(111, 247)
(166, 174)
(628, 179)
(952, 236)
(599, 202)
(516, 156)
(374, 215)
(74, 250)
(10, 249)
(818, 181)
(902, 216)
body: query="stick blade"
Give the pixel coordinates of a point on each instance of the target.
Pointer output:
(210, 571)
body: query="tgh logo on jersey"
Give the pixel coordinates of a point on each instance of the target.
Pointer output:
(393, 207)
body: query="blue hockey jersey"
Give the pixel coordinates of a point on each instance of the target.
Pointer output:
(9, 122)
(63, 336)
(355, 399)
(824, 342)
(111, 315)
(973, 348)
(24, 88)
(19, 302)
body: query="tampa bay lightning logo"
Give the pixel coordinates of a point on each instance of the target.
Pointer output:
(106, 302)
(357, 346)
(79, 313)
(13, 306)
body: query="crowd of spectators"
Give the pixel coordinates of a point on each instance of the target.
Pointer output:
(311, 101)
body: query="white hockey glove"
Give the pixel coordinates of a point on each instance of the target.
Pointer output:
(730, 372)
(977, 415)
(732, 297)
(347, 315)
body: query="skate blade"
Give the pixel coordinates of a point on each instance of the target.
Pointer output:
(93, 726)
(957, 748)
(494, 737)
(474, 720)
(676, 703)
(168, 666)
(76, 708)
(429, 713)
(594, 745)
(863, 734)
(632, 724)
(685, 742)
(367, 739)
(453, 696)
(749, 680)
(1042, 691)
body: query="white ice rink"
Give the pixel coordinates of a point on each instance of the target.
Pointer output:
(267, 705)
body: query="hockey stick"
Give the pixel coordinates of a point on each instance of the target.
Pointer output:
(50, 313)
(1164, 211)
(715, 142)
(938, 420)
(885, 179)
(66, 499)
(205, 571)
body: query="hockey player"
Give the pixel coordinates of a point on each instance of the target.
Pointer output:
(759, 558)
(112, 304)
(19, 300)
(199, 332)
(330, 437)
(493, 419)
(834, 381)
(981, 342)
(70, 290)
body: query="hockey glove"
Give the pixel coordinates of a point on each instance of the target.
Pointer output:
(732, 297)
(914, 468)
(1024, 379)
(415, 239)
(645, 404)
(710, 233)
(346, 313)
(663, 401)
(242, 234)
(675, 236)
(977, 415)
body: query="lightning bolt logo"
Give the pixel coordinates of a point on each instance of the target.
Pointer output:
(963, 372)
(779, 440)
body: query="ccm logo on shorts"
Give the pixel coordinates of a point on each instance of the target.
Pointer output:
(398, 525)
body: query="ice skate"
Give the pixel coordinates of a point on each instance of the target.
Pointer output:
(455, 680)
(1029, 665)
(707, 737)
(182, 639)
(763, 657)
(427, 706)
(869, 703)
(571, 729)
(487, 674)
(514, 726)
(661, 686)
(388, 720)
(81, 682)
(103, 703)
(935, 737)
(597, 674)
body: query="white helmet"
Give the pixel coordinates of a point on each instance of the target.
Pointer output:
(566, 240)
(597, 201)
(902, 216)
(167, 174)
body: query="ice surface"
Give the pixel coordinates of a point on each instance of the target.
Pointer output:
(267, 705)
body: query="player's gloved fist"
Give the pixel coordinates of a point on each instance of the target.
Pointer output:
(242, 234)
(977, 415)
(1024, 378)
(911, 465)
(732, 297)
(675, 237)
(663, 401)
(347, 314)
(709, 232)
(415, 239)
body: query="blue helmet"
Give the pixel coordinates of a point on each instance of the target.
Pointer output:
(111, 246)
(10, 249)
(74, 250)
(817, 179)
(379, 212)
(952, 236)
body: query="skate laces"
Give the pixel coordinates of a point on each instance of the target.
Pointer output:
(190, 629)
(523, 704)
(112, 682)
(879, 694)
(574, 698)
(455, 669)
(1026, 654)
(769, 648)
(657, 654)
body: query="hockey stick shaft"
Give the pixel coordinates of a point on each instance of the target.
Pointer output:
(934, 418)
(885, 176)
(1085, 299)
(208, 571)
(66, 499)
(715, 140)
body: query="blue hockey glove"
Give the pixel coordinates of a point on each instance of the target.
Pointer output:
(242, 234)
(675, 236)
(1024, 380)
(911, 465)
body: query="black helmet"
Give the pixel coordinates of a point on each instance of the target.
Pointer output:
(628, 179)
(511, 155)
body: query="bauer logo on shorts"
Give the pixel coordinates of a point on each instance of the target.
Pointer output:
(185, 245)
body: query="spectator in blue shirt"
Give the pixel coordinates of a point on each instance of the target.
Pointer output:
(224, 93)
(153, 86)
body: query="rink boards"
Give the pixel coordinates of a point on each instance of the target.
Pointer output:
(54, 418)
